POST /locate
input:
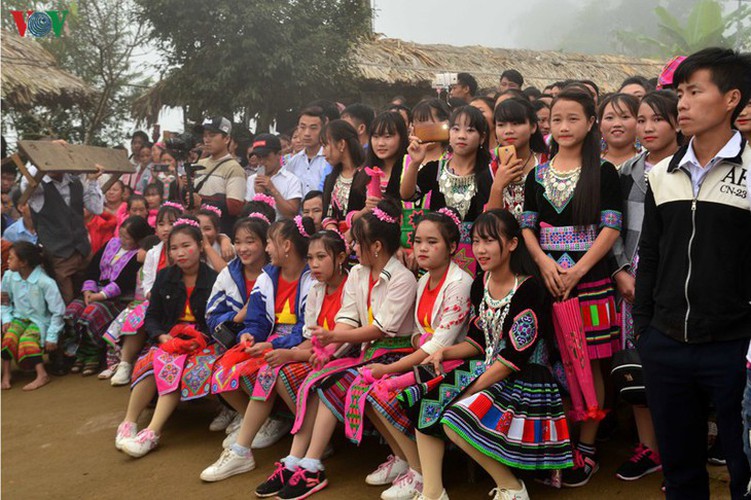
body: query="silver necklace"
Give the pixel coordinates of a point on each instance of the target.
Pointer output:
(492, 315)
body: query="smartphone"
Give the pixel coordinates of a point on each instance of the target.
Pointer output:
(432, 132)
(160, 167)
(261, 170)
(424, 373)
(506, 154)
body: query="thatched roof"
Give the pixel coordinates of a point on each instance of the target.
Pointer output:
(392, 61)
(30, 75)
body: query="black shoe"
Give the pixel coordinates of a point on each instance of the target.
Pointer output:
(61, 364)
(585, 467)
(715, 455)
(275, 482)
(643, 462)
(302, 484)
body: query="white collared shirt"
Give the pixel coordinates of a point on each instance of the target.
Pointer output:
(698, 172)
(311, 172)
(288, 185)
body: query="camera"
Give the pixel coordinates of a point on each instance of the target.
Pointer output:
(179, 146)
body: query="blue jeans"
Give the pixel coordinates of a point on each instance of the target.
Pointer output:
(682, 380)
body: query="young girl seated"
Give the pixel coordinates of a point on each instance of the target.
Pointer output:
(275, 311)
(110, 284)
(377, 312)
(32, 313)
(442, 315)
(127, 329)
(501, 406)
(217, 247)
(153, 194)
(174, 370)
(287, 368)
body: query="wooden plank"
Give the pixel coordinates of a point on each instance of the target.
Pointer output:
(33, 183)
(56, 157)
(107, 185)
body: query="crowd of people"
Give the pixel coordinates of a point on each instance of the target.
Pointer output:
(464, 271)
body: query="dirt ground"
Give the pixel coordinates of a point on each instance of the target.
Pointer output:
(58, 442)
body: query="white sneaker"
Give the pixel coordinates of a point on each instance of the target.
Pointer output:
(122, 374)
(229, 464)
(222, 421)
(237, 421)
(107, 372)
(387, 472)
(144, 442)
(230, 439)
(272, 430)
(126, 430)
(444, 496)
(405, 487)
(504, 494)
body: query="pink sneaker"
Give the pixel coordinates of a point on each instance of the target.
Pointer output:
(126, 430)
(144, 442)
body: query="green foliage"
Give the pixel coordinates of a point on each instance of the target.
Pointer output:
(256, 58)
(706, 26)
(99, 39)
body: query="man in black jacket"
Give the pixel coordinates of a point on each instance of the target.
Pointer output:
(693, 284)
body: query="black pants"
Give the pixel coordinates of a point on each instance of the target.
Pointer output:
(681, 380)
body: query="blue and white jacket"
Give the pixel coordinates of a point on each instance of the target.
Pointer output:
(227, 295)
(261, 315)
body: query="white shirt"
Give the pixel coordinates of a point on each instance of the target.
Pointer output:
(93, 198)
(288, 185)
(731, 149)
(311, 172)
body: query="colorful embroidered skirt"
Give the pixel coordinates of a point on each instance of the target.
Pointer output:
(22, 344)
(519, 422)
(88, 326)
(117, 328)
(464, 256)
(190, 374)
(390, 407)
(600, 317)
(426, 403)
(292, 375)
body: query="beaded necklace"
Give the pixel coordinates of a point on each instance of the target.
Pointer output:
(560, 186)
(492, 315)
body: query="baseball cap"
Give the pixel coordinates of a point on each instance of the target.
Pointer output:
(215, 124)
(265, 144)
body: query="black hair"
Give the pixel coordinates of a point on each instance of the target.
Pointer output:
(312, 194)
(637, 80)
(368, 229)
(362, 113)
(513, 93)
(254, 225)
(575, 84)
(532, 93)
(140, 133)
(33, 255)
(328, 109)
(194, 231)
(476, 121)
(213, 217)
(149, 242)
(287, 229)
(490, 103)
(399, 97)
(514, 76)
(495, 223)
(388, 122)
(450, 232)
(469, 81)
(137, 228)
(334, 244)
(168, 212)
(664, 103)
(730, 70)
(423, 110)
(154, 186)
(147, 145)
(593, 85)
(586, 204)
(398, 108)
(136, 197)
(314, 111)
(538, 105)
(517, 111)
(456, 102)
(620, 102)
(118, 181)
(340, 130)
(259, 207)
